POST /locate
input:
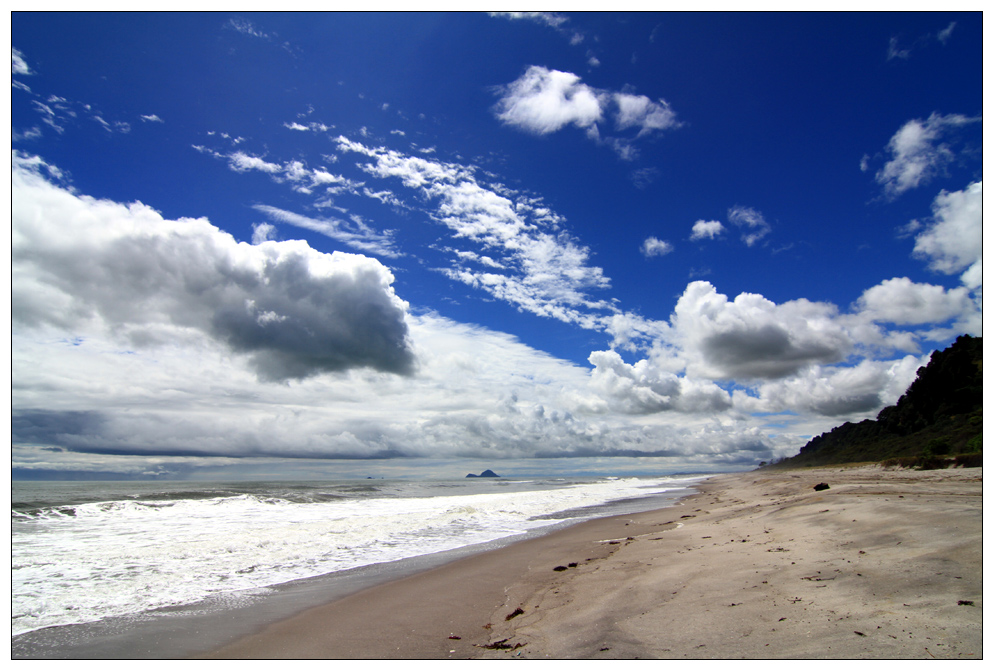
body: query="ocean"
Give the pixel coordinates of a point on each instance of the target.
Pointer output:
(125, 552)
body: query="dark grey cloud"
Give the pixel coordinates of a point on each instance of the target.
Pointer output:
(764, 352)
(294, 311)
(49, 427)
(298, 324)
(848, 405)
(752, 338)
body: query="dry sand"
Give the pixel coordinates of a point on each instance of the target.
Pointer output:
(883, 564)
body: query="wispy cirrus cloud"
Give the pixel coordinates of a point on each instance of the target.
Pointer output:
(296, 173)
(355, 233)
(750, 219)
(245, 27)
(552, 19)
(312, 126)
(901, 50)
(547, 18)
(58, 112)
(18, 64)
(946, 32)
(548, 272)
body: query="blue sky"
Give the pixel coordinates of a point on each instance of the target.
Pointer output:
(332, 244)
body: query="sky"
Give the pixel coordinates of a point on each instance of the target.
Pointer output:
(418, 245)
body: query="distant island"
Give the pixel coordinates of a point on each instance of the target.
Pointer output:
(485, 474)
(937, 423)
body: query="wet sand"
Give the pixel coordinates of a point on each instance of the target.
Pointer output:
(883, 564)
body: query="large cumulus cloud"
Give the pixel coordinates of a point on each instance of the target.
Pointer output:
(644, 387)
(752, 337)
(84, 265)
(132, 334)
(841, 391)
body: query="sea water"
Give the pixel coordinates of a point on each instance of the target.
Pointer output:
(83, 552)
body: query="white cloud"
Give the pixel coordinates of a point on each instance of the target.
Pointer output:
(385, 196)
(632, 332)
(706, 229)
(642, 113)
(548, 18)
(151, 117)
(312, 126)
(60, 113)
(551, 19)
(477, 394)
(754, 338)
(946, 32)
(35, 165)
(32, 133)
(953, 242)
(245, 27)
(547, 274)
(544, 101)
(643, 388)
(852, 391)
(263, 232)
(917, 155)
(655, 247)
(295, 173)
(117, 126)
(124, 272)
(133, 334)
(643, 177)
(49, 116)
(242, 162)
(18, 65)
(901, 301)
(752, 220)
(355, 234)
(894, 51)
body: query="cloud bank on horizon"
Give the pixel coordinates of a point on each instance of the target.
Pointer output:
(332, 278)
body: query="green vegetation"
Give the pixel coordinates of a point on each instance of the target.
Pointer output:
(936, 424)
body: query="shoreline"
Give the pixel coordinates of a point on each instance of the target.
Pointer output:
(883, 564)
(189, 630)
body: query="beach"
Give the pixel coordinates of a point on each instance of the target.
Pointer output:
(882, 564)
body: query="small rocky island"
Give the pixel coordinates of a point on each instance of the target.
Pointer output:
(485, 474)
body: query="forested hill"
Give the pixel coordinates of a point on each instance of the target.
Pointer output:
(939, 416)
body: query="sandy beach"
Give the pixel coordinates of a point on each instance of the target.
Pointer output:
(882, 564)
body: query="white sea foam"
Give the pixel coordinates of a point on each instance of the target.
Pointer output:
(83, 562)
